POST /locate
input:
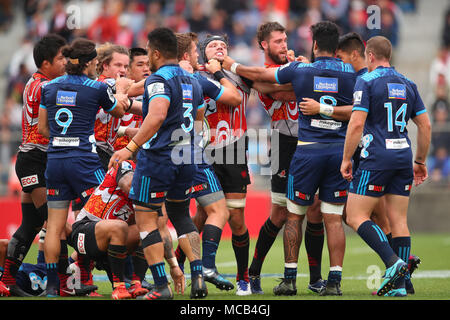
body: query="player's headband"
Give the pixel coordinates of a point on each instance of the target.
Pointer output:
(83, 58)
(207, 41)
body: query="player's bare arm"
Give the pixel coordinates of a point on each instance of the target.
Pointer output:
(136, 89)
(352, 138)
(310, 107)
(423, 143)
(231, 95)
(43, 127)
(252, 73)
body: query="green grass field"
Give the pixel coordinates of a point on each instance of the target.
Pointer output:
(431, 280)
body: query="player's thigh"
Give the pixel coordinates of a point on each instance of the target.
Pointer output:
(397, 209)
(30, 169)
(83, 239)
(304, 176)
(333, 188)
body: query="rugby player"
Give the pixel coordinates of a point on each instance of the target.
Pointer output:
(113, 62)
(67, 116)
(384, 101)
(282, 108)
(32, 157)
(228, 145)
(207, 190)
(157, 175)
(315, 164)
(351, 50)
(137, 71)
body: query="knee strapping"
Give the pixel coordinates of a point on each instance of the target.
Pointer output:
(178, 213)
(150, 238)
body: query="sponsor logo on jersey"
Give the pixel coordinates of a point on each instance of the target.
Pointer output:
(66, 98)
(187, 91)
(30, 180)
(396, 91)
(401, 143)
(324, 84)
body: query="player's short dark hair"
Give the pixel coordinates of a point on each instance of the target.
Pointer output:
(326, 35)
(380, 46)
(184, 41)
(165, 41)
(136, 52)
(265, 29)
(79, 52)
(352, 41)
(47, 48)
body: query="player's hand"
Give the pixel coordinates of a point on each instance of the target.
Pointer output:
(302, 59)
(227, 62)
(123, 84)
(186, 65)
(309, 107)
(420, 173)
(178, 279)
(346, 170)
(290, 55)
(213, 65)
(118, 157)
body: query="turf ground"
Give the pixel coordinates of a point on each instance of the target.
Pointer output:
(361, 273)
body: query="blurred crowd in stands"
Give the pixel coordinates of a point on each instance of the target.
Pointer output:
(128, 22)
(439, 158)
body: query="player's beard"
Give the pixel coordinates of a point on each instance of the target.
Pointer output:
(277, 58)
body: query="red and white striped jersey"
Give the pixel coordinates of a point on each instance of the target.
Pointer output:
(31, 139)
(108, 201)
(227, 124)
(128, 120)
(106, 125)
(284, 115)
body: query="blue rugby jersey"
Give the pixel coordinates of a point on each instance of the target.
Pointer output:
(327, 80)
(185, 95)
(391, 100)
(72, 102)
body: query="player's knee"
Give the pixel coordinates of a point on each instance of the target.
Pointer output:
(178, 213)
(118, 229)
(278, 215)
(150, 238)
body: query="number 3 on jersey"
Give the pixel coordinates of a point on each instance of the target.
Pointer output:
(64, 124)
(187, 104)
(400, 116)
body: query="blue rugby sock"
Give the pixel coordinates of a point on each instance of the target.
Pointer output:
(376, 239)
(159, 274)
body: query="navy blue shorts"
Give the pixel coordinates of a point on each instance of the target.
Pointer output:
(205, 181)
(156, 179)
(72, 178)
(376, 183)
(317, 166)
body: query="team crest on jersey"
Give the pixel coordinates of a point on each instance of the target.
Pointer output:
(66, 98)
(325, 84)
(396, 91)
(155, 88)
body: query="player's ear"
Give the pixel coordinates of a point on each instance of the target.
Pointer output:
(264, 44)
